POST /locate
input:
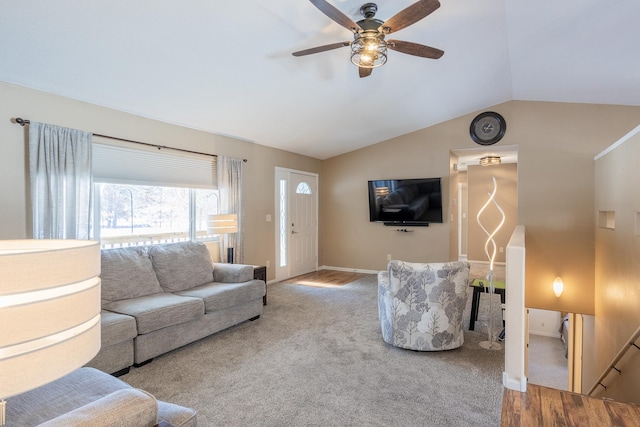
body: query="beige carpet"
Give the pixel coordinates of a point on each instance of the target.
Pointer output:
(316, 358)
(548, 365)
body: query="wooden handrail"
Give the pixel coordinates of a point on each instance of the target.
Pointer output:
(612, 366)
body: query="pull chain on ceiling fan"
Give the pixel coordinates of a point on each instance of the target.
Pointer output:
(369, 47)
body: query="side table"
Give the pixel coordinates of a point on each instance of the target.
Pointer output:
(260, 273)
(480, 285)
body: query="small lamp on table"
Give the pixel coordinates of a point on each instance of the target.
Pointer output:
(224, 224)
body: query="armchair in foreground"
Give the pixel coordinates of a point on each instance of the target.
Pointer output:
(421, 305)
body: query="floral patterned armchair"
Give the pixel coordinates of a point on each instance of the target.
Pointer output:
(421, 305)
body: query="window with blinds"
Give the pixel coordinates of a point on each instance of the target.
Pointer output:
(150, 166)
(149, 196)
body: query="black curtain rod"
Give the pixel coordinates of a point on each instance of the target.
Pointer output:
(23, 122)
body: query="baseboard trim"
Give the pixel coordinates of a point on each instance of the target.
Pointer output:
(514, 383)
(351, 270)
(545, 334)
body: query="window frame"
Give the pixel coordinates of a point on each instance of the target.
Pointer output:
(192, 233)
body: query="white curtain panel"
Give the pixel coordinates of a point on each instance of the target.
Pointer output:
(61, 182)
(230, 175)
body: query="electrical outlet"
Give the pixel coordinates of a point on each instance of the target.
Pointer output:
(388, 257)
(268, 264)
(268, 218)
(501, 249)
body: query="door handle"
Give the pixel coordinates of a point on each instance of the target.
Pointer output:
(294, 232)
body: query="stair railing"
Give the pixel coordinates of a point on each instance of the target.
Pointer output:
(612, 366)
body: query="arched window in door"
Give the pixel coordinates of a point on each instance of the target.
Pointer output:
(303, 188)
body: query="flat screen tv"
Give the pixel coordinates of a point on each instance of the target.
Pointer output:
(416, 202)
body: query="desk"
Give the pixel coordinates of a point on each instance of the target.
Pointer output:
(481, 285)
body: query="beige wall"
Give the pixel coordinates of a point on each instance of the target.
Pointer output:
(43, 107)
(556, 144)
(617, 272)
(480, 185)
(350, 240)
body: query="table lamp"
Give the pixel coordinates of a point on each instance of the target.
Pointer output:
(224, 224)
(49, 311)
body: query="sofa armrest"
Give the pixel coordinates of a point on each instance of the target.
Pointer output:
(126, 407)
(232, 273)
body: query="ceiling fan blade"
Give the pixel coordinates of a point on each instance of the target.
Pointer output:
(410, 15)
(364, 72)
(415, 49)
(319, 49)
(336, 15)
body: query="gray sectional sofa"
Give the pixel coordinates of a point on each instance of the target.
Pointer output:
(158, 298)
(154, 299)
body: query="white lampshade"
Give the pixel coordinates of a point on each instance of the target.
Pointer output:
(49, 310)
(222, 224)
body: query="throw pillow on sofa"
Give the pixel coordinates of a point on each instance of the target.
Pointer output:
(181, 266)
(127, 273)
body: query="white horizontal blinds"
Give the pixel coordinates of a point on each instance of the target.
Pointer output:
(150, 166)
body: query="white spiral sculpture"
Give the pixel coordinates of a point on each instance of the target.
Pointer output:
(491, 344)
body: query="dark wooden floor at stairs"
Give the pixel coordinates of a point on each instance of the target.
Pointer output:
(544, 406)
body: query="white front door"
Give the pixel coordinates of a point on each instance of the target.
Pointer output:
(302, 223)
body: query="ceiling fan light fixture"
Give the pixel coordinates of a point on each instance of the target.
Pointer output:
(369, 50)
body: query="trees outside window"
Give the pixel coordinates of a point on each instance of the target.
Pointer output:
(135, 215)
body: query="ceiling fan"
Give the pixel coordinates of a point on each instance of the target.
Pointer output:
(369, 47)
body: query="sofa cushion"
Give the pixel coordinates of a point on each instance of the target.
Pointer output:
(73, 391)
(127, 273)
(218, 296)
(63, 395)
(153, 312)
(116, 327)
(176, 415)
(232, 273)
(125, 407)
(181, 266)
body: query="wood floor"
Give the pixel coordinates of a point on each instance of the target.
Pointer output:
(543, 406)
(326, 278)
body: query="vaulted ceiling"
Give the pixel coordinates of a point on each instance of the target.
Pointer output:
(226, 66)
